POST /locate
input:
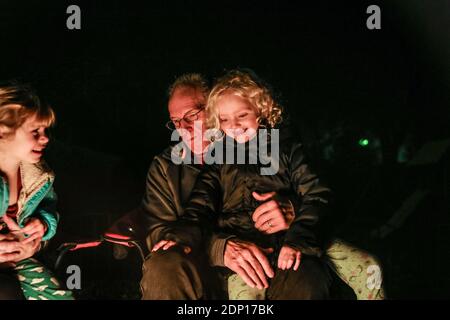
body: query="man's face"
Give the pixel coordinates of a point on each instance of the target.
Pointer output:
(185, 102)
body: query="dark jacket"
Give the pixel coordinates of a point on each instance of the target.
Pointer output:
(168, 188)
(221, 205)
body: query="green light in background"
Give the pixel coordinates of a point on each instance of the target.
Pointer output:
(363, 142)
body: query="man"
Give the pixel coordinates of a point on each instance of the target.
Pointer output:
(172, 272)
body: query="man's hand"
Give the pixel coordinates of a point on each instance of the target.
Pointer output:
(289, 257)
(271, 216)
(166, 244)
(249, 261)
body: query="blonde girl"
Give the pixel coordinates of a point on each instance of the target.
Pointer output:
(28, 216)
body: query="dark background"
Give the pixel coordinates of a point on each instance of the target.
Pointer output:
(107, 83)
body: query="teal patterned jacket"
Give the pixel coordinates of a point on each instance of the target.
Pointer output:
(36, 199)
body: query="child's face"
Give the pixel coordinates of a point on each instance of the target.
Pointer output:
(27, 143)
(237, 117)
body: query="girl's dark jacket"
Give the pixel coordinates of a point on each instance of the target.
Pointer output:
(221, 204)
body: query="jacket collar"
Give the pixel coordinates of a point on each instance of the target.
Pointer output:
(34, 176)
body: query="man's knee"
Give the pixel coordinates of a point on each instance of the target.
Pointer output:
(170, 274)
(164, 264)
(163, 260)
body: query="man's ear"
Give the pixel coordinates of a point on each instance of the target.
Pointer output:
(4, 130)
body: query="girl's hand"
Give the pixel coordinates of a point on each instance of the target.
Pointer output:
(166, 244)
(9, 249)
(26, 250)
(289, 257)
(34, 228)
(12, 251)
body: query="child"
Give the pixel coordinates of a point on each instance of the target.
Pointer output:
(27, 201)
(240, 106)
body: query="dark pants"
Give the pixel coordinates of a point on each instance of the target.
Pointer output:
(311, 281)
(10, 288)
(173, 275)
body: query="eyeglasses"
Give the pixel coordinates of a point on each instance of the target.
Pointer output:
(189, 118)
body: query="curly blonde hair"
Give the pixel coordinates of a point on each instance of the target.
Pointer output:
(248, 87)
(19, 102)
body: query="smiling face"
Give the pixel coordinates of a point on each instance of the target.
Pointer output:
(237, 117)
(27, 143)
